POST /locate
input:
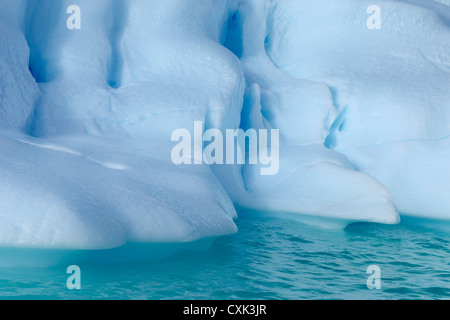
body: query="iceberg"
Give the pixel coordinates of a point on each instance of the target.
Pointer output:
(87, 115)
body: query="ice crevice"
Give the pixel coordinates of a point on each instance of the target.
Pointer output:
(119, 12)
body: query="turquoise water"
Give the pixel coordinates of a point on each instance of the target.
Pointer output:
(268, 259)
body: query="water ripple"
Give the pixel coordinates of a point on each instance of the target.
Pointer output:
(267, 259)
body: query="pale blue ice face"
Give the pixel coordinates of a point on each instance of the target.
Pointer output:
(90, 96)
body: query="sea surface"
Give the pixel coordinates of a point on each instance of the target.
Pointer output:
(267, 259)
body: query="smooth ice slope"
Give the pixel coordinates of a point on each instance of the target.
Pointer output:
(97, 196)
